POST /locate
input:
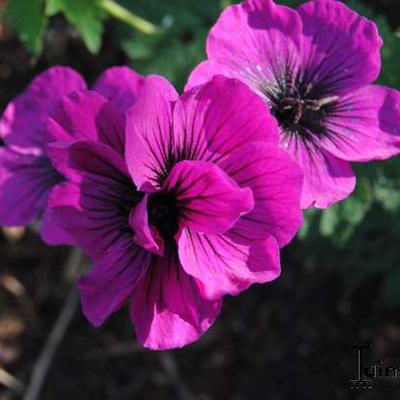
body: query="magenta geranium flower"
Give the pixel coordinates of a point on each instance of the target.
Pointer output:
(26, 174)
(313, 66)
(198, 207)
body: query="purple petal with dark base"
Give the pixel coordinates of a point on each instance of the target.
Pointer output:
(207, 125)
(208, 199)
(340, 49)
(149, 129)
(25, 181)
(365, 125)
(95, 211)
(168, 308)
(247, 37)
(112, 280)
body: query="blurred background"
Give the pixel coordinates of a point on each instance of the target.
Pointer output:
(289, 340)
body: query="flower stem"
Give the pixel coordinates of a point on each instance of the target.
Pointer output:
(124, 15)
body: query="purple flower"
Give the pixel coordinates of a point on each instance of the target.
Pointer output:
(197, 208)
(313, 66)
(26, 174)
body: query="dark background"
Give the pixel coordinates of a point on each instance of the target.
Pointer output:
(288, 340)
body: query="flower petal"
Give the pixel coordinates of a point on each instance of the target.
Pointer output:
(77, 158)
(25, 182)
(121, 86)
(208, 125)
(97, 159)
(94, 213)
(51, 231)
(276, 182)
(327, 179)
(229, 263)
(168, 308)
(208, 199)
(341, 50)
(88, 116)
(22, 125)
(365, 125)
(253, 40)
(205, 71)
(148, 130)
(112, 280)
(145, 235)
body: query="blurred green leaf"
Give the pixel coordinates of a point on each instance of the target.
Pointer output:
(171, 54)
(177, 50)
(85, 15)
(28, 18)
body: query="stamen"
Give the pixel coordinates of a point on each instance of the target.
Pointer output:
(316, 105)
(328, 100)
(301, 107)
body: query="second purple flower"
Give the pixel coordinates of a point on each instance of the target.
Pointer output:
(313, 66)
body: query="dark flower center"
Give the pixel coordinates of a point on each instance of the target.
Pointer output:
(300, 108)
(297, 116)
(289, 111)
(164, 214)
(129, 197)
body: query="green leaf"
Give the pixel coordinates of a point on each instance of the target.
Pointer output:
(85, 15)
(28, 18)
(180, 46)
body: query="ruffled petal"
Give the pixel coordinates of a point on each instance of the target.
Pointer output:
(209, 125)
(208, 200)
(327, 179)
(95, 212)
(112, 280)
(364, 125)
(254, 41)
(340, 49)
(276, 183)
(75, 160)
(145, 235)
(168, 308)
(229, 263)
(25, 182)
(149, 130)
(88, 116)
(22, 125)
(121, 86)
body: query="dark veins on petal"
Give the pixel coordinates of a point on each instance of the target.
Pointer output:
(301, 106)
(164, 209)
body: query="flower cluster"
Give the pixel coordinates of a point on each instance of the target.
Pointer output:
(181, 200)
